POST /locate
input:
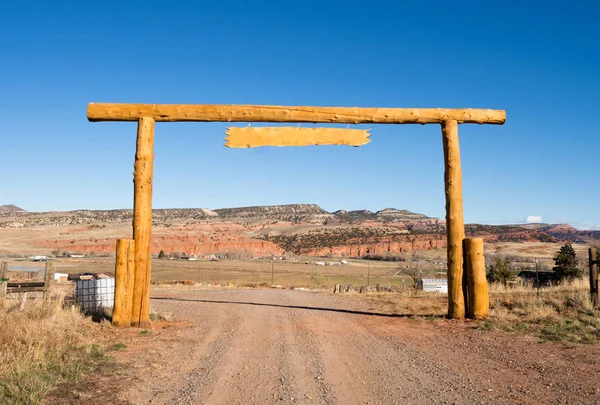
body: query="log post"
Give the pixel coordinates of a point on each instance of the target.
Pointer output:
(124, 282)
(3, 285)
(47, 278)
(477, 287)
(455, 226)
(593, 257)
(142, 221)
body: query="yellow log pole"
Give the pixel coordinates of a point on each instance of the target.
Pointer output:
(479, 300)
(276, 113)
(124, 282)
(142, 221)
(455, 226)
(130, 284)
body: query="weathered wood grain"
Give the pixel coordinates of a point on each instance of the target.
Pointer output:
(273, 113)
(142, 221)
(252, 137)
(455, 224)
(477, 286)
(124, 282)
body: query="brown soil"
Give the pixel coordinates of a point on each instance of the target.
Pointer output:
(246, 346)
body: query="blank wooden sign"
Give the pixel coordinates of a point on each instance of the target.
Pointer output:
(251, 137)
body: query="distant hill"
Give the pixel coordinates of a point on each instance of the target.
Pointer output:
(263, 230)
(385, 215)
(295, 213)
(11, 208)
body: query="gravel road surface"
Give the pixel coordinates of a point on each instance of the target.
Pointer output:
(263, 346)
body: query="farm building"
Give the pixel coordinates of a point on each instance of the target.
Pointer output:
(435, 285)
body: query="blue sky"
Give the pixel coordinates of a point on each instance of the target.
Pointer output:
(539, 63)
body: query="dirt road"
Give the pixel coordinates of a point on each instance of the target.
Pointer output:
(270, 346)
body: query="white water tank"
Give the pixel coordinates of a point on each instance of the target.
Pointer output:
(95, 295)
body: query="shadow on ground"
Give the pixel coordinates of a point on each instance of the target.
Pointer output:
(304, 307)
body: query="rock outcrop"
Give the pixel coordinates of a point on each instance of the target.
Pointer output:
(260, 231)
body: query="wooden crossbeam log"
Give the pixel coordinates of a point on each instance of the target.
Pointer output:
(251, 137)
(273, 113)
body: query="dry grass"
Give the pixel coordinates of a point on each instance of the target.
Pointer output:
(42, 346)
(562, 313)
(412, 302)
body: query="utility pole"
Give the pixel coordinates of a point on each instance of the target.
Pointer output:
(368, 274)
(272, 283)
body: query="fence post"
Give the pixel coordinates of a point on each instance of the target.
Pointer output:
(593, 256)
(3, 285)
(124, 282)
(47, 278)
(479, 301)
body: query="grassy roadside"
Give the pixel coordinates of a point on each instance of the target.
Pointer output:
(562, 313)
(41, 347)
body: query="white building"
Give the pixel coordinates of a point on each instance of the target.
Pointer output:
(435, 285)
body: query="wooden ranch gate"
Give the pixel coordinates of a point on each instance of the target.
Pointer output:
(10, 287)
(134, 259)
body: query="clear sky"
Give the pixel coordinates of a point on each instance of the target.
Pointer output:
(538, 61)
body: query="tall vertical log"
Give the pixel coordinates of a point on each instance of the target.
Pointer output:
(593, 256)
(3, 285)
(478, 297)
(47, 278)
(142, 221)
(454, 218)
(124, 282)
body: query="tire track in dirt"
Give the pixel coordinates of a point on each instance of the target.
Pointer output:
(302, 359)
(252, 360)
(199, 371)
(365, 368)
(267, 355)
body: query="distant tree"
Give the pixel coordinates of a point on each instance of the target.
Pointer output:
(499, 272)
(565, 264)
(161, 254)
(415, 274)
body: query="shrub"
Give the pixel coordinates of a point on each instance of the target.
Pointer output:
(565, 264)
(499, 272)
